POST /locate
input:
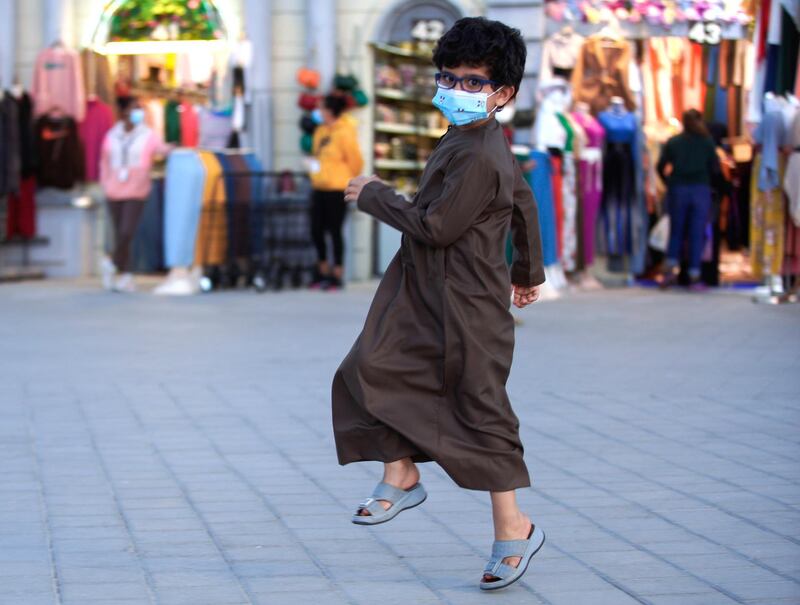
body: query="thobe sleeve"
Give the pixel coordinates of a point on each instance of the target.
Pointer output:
(527, 268)
(469, 185)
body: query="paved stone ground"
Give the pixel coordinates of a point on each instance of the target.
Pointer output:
(180, 452)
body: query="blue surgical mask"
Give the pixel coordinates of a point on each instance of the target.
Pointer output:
(461, 107)
(137, 116)
(316, 115)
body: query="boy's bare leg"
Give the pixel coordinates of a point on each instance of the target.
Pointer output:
(510, 523)
(401, 473)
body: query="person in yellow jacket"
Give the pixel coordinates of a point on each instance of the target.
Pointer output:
(337, 159)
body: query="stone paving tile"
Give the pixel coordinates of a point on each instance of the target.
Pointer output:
(179, 451)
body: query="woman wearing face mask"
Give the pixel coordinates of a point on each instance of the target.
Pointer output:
(127, 157)
(337, 159)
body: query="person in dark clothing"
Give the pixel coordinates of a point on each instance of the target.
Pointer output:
(688, 165)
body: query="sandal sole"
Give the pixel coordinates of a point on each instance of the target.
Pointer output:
(392, 517)
(490, 585)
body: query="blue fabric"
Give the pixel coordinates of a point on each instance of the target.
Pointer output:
(183, 198)
(713, 65)
(721, 105)
(773, 58)
(769, 135)
(148, 244)
(541, 181)
(620, 128)
(689, 210)
(639, 219)
(257, 207)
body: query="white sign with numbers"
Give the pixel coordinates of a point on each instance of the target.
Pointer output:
(705, 33)
(427, 30)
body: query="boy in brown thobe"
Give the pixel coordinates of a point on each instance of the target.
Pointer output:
(426, 379)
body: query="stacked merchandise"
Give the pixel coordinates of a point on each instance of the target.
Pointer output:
(407, 126)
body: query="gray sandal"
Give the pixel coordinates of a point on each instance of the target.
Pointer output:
(501, 549)
(400, 499)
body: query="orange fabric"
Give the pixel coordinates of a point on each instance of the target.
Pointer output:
(558, 200)
(212, 234)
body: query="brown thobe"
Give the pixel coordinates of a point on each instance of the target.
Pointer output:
(426, 378)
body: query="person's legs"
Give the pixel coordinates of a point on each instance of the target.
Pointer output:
(129, 213)
(510, 523)
(335, 212)
(700, 196)
(318, 232)
(401, 473)
(678, 210)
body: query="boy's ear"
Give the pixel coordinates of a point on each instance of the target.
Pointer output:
(505, 95)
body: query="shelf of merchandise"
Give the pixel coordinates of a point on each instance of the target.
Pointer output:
(406, 126)
(390, 164)
(389, 128)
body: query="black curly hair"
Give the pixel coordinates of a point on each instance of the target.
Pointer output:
(477, 42)
(335, 103)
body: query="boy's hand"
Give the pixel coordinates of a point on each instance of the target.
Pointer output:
(355, 186)
(525, 296)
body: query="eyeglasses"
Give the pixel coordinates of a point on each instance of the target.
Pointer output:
(445, 79)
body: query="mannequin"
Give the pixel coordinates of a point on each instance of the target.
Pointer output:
(550, 139)
(619, 188)
(590, 170)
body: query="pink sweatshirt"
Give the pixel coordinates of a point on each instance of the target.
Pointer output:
(58, 82)
(126, 161)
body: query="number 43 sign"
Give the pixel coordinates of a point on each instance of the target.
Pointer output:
(427, 30)
(706, 33)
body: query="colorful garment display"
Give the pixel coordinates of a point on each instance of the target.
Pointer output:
(190, 129)
(183, 200)
(602, 72)
(767, 228)
(212, 236)
(590, 179)
(97, 122)
(59, 152)
(58, 82)
(540, 178)
(560, 54)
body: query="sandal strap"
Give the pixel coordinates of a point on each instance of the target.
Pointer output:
(390, 493)
(372, 506)
(508, 548)
(498, 569)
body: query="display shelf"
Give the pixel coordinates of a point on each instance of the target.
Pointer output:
(390, 128)
(389, 164)
(396, 51)
(393, 94)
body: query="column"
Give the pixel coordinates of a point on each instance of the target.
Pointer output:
(321, 39)
(258, 20)
(58, 22)
(8, 41)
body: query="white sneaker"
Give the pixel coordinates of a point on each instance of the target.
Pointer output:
(182, 286)
(107, 272)
(125, 283)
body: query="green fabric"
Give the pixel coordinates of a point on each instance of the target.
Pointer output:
(787, 54)
(692, 158)
(568, 127)
(172, 122)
